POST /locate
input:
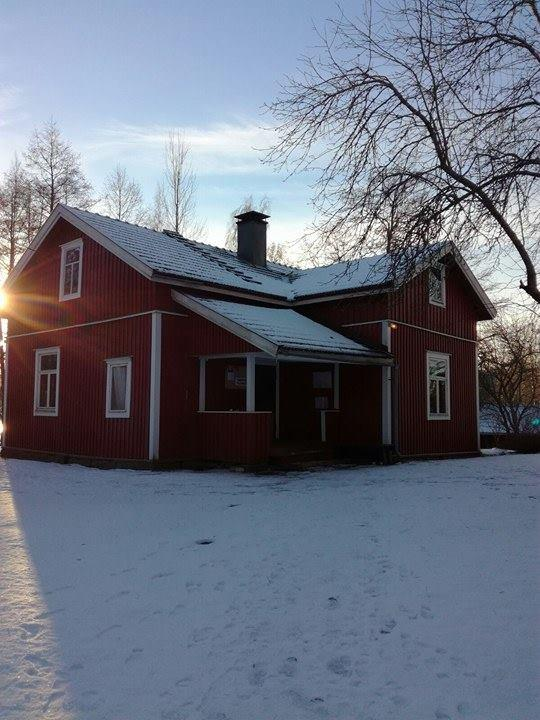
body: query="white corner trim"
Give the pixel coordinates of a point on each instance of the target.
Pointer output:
(111, 363)
(155, 388)
(386, 390)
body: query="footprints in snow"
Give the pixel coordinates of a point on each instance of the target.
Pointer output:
(340, 666)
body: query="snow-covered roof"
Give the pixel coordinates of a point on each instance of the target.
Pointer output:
(282, 332)
(171, 256)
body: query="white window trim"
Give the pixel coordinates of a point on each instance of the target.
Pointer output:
(78, 243)
(442, 303)
(47, 412)
(115, 362)
(438, 356)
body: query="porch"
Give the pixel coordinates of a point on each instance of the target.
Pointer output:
(255, 409)
(304, 388)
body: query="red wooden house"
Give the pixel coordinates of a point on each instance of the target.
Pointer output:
(141, 347)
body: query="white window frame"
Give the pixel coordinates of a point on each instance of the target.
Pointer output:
(111, 363)
(434, 301)
(65, 249)
(438, 357)
(38, 372)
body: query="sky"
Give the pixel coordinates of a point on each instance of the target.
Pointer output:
(118, 75)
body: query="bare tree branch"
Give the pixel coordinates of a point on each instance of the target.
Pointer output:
(421, 124)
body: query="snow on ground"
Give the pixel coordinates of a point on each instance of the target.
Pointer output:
(402, 592)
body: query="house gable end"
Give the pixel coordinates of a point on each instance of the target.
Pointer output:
(109, 287)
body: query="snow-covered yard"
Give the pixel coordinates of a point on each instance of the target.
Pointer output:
(403, 592)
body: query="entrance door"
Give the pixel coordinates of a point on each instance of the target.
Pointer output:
(265, 388)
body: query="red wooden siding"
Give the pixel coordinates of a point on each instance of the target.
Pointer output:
(459, 317)
(236, 437)
(359, 419)
(218, 396)
(184, 339)
(299, 420)
(416, 434)
(81, 427)
(110, 288)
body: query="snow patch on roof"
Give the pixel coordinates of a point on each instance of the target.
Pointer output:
(176, 256)
(287, 329)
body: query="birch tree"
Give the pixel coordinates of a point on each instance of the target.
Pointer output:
(13, 198)
(122, 197)
(55, 170)
(176, 194)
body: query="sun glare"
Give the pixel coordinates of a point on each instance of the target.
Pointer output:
(3, 300)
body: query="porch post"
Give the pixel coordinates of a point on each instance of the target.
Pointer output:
(277, 400)
(250, 383)
(336, 386)
(386, 393)
(202, 384)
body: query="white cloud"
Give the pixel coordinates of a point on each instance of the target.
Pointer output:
(222, 148)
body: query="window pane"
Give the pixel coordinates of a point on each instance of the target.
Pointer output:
(72, 256)
(49, 362)
(442, 397)
(118, 387)
(43, 382)
(52, 390)
(437, 369)
(433, 397)
(322, 379)
(67, 280)
(75, 278)
(436, 284)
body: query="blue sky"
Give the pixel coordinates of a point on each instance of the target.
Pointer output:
(117, 75)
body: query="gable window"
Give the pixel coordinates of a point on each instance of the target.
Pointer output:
(118, 395)
(438, 386)
(46, 381)
(71, 270)
(437, 285)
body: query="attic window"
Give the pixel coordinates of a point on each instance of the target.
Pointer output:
(71, 270)
(437, 285)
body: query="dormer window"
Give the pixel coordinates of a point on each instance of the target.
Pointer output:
(71, 270)
(437, 285)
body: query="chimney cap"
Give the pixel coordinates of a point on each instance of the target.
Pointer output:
(252, 215)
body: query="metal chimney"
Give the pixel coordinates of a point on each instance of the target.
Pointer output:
(251, 230)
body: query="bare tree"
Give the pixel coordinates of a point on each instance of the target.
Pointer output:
(55, 169)
(158, 216)
(14, 202)
(509, 363)
(175, 198)
(123, 198)
(263, 206)
(435, 101)
(275, 252)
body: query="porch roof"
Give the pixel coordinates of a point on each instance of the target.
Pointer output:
(283, 333)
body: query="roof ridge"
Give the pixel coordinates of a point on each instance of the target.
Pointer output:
(109, 217)
(176, 235)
